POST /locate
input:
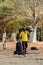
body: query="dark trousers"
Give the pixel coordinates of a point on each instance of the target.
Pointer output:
(24, 45)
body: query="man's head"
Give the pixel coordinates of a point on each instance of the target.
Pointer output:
(24, 29)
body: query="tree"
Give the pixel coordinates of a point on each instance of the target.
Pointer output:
(36, 9)
(11, 9)
(28, 9)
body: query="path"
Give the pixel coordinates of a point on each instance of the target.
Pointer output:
(34, 57)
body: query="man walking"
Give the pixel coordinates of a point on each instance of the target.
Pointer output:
(24, 39)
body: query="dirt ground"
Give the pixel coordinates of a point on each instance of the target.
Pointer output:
(34, 57)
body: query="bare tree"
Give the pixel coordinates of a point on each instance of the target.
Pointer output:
(35, 7)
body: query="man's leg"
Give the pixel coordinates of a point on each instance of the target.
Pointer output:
(23, 46)
(26, 45)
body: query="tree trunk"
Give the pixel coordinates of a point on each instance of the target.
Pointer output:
(13, 36)
(33, 37)
(4, 39)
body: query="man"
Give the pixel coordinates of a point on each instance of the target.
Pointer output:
(24, 39)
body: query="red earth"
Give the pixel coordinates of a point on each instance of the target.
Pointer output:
(12, 45)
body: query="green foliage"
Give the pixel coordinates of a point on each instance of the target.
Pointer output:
(40, 33)
(5, 7)
(20, 22)
(16, 24)
(8, 30)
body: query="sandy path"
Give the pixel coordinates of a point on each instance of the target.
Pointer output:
(34, 57)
